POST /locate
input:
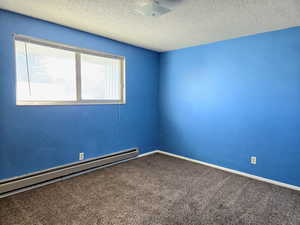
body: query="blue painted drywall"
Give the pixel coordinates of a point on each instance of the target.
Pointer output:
(224, 102)
(35, 138)
(219, 103)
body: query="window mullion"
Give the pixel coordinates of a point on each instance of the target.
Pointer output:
(78, 76)
(27, 68)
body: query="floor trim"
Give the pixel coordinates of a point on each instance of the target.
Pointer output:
(293, 187)
(150, 153)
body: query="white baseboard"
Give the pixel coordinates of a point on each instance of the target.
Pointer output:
(293, 187)
(149, 153)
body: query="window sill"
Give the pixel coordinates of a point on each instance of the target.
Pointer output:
(62, 103)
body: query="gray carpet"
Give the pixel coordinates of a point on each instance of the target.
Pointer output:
(156, 189)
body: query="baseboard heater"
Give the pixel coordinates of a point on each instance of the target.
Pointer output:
(29, 181)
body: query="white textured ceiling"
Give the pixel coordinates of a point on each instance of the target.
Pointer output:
(190, 23)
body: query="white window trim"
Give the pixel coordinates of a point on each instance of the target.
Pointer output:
(78, 52)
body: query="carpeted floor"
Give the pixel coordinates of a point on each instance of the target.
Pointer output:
(156, 189)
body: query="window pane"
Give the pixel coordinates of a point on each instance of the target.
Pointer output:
(100, 78)
(45, 73)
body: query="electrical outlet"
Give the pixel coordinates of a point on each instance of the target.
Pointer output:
(253, 160)
(81, 156)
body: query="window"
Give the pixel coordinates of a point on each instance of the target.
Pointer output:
(53, 74)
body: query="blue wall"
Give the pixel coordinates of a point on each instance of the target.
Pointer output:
(220, 103)
(35, 138)
(224, 102)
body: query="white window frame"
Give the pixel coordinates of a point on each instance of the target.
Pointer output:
(78, 52)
